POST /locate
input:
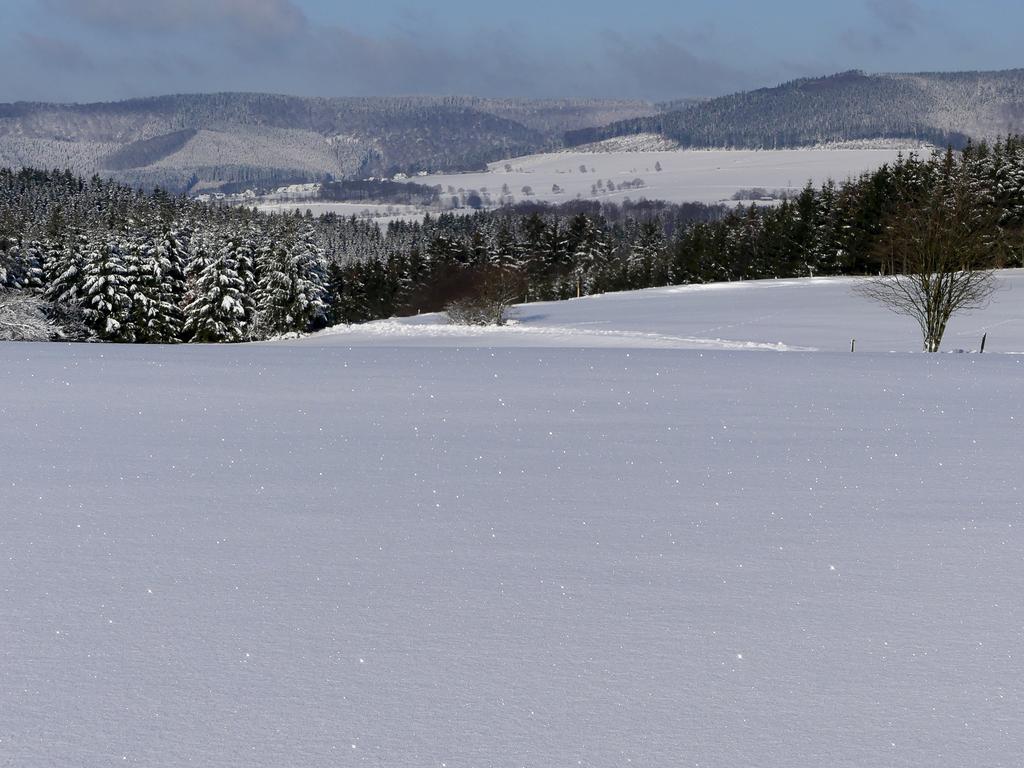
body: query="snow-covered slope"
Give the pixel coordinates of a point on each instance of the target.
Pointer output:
(705, 176)
(328, 554)
(796, 315)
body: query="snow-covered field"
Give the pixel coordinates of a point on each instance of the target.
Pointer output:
(707, 176)
(821, 314)
(618, 169)
(586, 547)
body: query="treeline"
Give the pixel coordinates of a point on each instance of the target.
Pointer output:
(112, 263)
(379, 191)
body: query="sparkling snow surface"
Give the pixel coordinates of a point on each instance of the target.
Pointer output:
(320, 554)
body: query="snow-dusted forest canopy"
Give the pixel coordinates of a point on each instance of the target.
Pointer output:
(942, 108)
(117, 264)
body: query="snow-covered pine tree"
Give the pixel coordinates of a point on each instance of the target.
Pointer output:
(353, 302)
(646, 251)
(64, 269)
(135, 245)
(589, 255)
(163, 282)
(829, 254)
(479, 246)
(531, 245)
(21, 265)
(33, 278)
(334, 284)
(503, 251)
(290, 296)
(107, 302)
(10, 255)
(245, 260)
(65, 264)
(219, 307)
(399, 275)
(554, 255)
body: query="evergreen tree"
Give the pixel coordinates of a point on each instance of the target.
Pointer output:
(33, 262)
(21, 265)
(589, 254)
(645, 253)
(65, 271)
(502, 251)
(106, 297)
(291, 289)
(218, 308)
(163, 283)
(353, 304)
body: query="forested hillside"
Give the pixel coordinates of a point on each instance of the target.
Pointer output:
(191, 143)
(941, 108)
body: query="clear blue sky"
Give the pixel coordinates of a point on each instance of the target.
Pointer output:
(82, 50)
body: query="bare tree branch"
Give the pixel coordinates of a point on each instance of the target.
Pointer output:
(23, 318)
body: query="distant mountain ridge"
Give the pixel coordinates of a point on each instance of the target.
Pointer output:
(230, 141)
(194, 142)
(941, 108)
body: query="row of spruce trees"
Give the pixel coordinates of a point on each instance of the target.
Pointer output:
(116, 264)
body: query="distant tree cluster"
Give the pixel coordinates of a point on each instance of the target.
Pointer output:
(379, 191)
(111, 263)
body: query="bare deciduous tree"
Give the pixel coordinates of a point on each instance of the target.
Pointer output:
(940, 251)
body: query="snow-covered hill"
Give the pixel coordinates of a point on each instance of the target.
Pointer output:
(344, 551)
(820, 314)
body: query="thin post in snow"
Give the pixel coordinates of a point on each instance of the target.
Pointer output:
(983, 340)
(853, 345)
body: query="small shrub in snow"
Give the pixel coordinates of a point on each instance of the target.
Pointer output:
(476, 310)
(490, 299)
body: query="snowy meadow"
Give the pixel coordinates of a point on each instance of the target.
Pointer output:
(705, 176)
(608, 535)
(611, 174)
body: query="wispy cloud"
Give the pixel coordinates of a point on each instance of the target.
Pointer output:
(898, 16)
(55, 53)
(260, 20)
(890, 26)
(651, 64)
(133, 48)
